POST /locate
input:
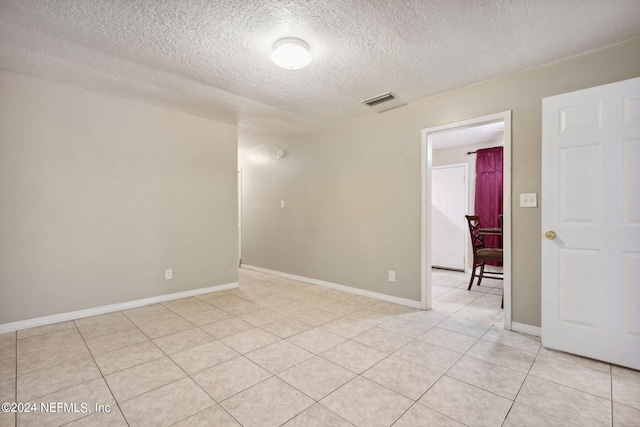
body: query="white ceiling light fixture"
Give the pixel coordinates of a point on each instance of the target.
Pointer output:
(291, 53)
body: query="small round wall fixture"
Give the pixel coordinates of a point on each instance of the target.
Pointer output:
(281, 154)
(291, 53)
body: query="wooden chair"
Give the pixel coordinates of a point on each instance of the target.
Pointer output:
(481, 255)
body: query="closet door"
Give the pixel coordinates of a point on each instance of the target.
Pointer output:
(449, 192)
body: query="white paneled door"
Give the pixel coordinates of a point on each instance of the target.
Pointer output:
(448, 195)
(591, 223)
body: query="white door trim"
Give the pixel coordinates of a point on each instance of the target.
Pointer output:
(239, 217)
(427, 160)
(466, 202)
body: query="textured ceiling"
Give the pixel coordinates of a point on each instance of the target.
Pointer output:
(211, 58)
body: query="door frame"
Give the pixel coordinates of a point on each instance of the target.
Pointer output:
(465, 166)
(239, 217)
(427, 160)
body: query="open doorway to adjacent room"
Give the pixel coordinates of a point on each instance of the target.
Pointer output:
(449, 172)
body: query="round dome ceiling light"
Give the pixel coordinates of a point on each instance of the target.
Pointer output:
(291, 53)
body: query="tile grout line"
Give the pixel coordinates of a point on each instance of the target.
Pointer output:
(71, 386)
(180, 367)
(171, 359)
(345, 315)
(572, 387)
(239, 355)
(562, 385)
(386, 357)
(357, 375)
(116, 332)
(15, 385)
(415, 401)
(360, 375)
(464, 354)
(521, 385)
(165, 355)
(271, 374)
(611, 391)
(50, 367)
(102, 375)
(453, 364)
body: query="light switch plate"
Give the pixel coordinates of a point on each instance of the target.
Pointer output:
(529, 200)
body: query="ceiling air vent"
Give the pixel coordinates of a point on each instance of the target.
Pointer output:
(384, 102)
(380, 99)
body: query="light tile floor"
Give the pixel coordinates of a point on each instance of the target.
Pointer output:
(280, 352)
(480, 304)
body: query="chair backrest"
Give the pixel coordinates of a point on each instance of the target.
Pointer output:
(477, 239)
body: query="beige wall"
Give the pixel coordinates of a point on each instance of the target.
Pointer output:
(341, 187)
(99, 195)
(352, 191)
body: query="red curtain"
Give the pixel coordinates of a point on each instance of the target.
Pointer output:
(488, 201)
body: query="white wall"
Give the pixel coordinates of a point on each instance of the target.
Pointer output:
(99, 195)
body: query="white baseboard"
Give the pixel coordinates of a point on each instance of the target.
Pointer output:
(79, 314)
(526, 329)
(343, 288)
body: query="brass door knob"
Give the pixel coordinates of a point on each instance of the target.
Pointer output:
(550, 235)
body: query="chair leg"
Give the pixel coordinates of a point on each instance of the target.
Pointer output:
(473, 275)
(481, 274)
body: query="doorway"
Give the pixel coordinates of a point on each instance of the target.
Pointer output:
(430, 136)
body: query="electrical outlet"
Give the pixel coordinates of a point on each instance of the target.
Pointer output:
(168, 274)
(282, 203)
(392, 276)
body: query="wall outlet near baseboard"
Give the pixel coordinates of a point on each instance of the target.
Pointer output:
(168, 274)
(392, 276)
